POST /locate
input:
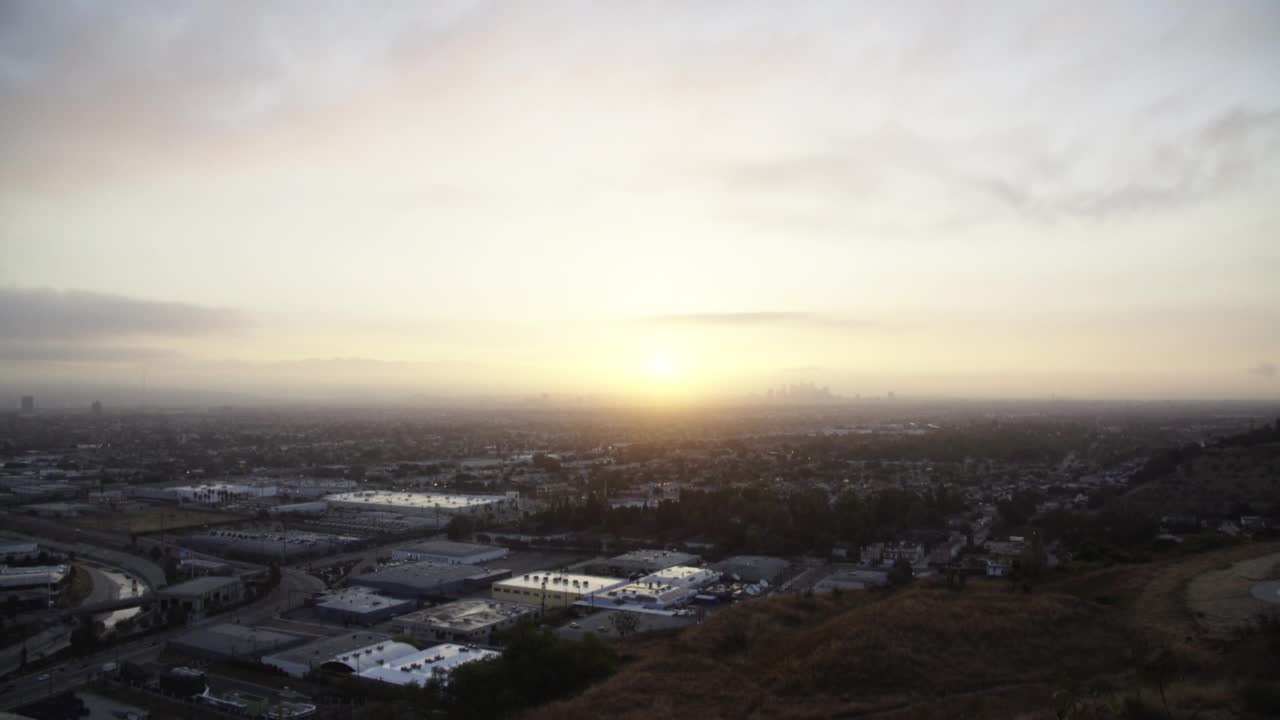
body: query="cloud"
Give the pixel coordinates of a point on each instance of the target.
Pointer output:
(46, 314)
(755, 319)
(896, 177)
(83, 353)
(1265, 370)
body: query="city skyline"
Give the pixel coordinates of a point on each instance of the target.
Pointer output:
(654, 202)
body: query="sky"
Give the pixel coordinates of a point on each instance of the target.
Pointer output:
(663, 201)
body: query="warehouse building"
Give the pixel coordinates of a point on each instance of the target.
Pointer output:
(426, 503)
(434, 663)
(233, 641)
(343, 652)
(430, 580)
(464, 621)
(549, 589)
(684, 576)
(645, 595)
(448, 552)
(34, 587)
(203, 595)
(360, 606)
(14, 552)
(753, 568)
(648, 561)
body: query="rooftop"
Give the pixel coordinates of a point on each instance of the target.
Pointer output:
(657, 555)
(558, 581)
(447, 548)
(420, 667)
(679, 574)
(201, 585)
(416, 499)
(234, 639)
(422, 573)
(318, 652)
(358, 599)
(468, 614)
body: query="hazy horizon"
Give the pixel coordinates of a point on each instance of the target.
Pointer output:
(662, 202)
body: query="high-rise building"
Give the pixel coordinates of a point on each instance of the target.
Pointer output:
(28, 403)
(96, 407)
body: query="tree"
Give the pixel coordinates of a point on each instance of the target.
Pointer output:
(624, 623)
(460, 527)
(901, 573)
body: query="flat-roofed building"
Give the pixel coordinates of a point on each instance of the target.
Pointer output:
(434, 663)
(449, 553)
(430, 580)
(649, 595)
(203, 595)
(852, 579)
(552, 589)
(684, 576)
(34, 587)
(11, 552)
(340, 650)
(753, 568)
(465, 621)
(649, 561)
(360, 606)
(232, 640)
(426, 503)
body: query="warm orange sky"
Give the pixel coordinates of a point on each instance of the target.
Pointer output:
(661, 200)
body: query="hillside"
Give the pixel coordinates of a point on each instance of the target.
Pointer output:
(929, 652)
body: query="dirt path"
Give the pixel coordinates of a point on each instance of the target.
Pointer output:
(1221, 600)
(1162, 608)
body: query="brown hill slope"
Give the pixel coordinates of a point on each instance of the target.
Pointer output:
(920, 653)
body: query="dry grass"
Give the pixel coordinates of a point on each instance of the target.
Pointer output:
(921, 653)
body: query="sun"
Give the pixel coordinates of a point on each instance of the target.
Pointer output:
(660, 365)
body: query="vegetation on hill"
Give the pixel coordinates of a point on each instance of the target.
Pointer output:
(1091, 645)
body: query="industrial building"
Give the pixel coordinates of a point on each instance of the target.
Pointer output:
(550, 589)
(648, 561)
(852, 579)
(203, 595)
(267, 544)
(753, 568)
(233, 641)
(315, 507)
(344, 651)
(449, 553)
(684, 576)
(426, 503)
(465, 621)
(434, 663)
(360, 606)
(34, 587)
(647, 595)
(428, 579)
(197, 567)
(12, 552)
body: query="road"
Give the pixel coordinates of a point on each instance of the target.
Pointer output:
(294, 588)
(40, 530)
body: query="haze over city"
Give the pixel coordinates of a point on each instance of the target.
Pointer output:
(661, 202)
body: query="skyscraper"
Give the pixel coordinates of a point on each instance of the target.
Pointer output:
(28, 403)
(96, 407)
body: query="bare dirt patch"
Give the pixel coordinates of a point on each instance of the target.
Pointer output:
(1220, 600)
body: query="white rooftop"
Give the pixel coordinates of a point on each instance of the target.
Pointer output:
(434, 662)
(561, 581)
(415, 499)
